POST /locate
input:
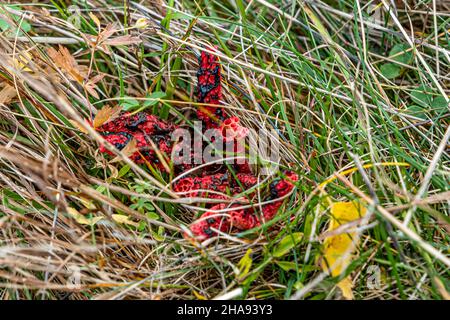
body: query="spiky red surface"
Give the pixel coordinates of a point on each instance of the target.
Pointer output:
(153, 136)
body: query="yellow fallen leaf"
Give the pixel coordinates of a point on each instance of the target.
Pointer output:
(106, 114)
(66, 62)
(21, 61)
(339, 249)
(82, 219)
(120, 218)
(346, 286)
(7, 94)
(199, 296)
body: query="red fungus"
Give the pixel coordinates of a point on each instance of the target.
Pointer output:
(153, 136)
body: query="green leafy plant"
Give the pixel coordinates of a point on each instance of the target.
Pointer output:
(401, 53)
(10, 28)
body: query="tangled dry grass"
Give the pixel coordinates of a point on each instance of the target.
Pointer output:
(322, 74)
